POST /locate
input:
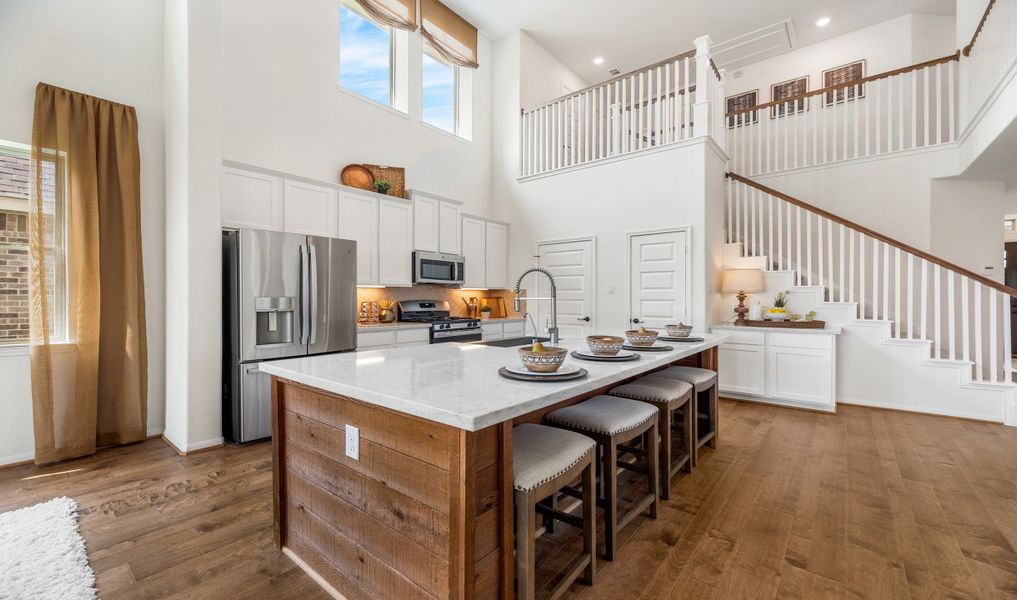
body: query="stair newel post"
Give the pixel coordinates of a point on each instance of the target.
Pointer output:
(701, 110)
(720, 127)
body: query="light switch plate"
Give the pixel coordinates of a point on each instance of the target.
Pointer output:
(353, 442)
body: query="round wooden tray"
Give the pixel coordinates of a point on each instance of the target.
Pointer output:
(357, 176)
(593, 357)
(648, 348)
(521, 377)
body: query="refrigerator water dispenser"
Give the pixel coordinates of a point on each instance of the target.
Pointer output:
(274, 316)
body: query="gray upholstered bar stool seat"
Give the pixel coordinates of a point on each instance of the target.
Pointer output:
(544, 460)
(668, 395)
(705, 408)
(612, 422)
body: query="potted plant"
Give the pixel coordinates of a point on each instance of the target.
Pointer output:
(382, 186)
(485, 312)
(779, 310)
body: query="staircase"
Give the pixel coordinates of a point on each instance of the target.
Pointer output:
(919, 333)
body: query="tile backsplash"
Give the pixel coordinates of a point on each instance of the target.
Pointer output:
(453, 296)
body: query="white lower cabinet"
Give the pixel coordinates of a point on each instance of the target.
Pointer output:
(502, 330)
(374, 340)
(796, 369)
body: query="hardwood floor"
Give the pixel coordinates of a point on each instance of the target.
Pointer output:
(792, 504)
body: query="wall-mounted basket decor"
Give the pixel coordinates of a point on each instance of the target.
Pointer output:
(396, 176)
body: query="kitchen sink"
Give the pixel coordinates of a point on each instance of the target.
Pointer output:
(513, 342)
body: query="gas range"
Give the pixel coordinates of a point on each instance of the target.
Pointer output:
(444, 327)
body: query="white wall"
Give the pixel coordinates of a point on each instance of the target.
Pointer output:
(543, 76)
(885, 46)
(966, 224)
(111, 49)
(285, 111)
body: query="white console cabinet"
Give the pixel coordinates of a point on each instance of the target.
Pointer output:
(780, 366)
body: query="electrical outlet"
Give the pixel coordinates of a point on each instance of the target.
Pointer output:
(353, 442)
(611, 289)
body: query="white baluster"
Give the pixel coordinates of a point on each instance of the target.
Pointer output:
(911, 297)
(798, 243)
(925, 297)
(829, 256)
(965, 315)
(951, 323)
(808, 246)
(851, 263)
(858, 96)
(936, 303)
(979, 374)
(878, 85)
(951, 95)
(939, 103)
(897, 315)
(875, 280)
(861, 275)
(993, 348)
(769, 241)
(886, 283)
(822, 258)
(1007, 361)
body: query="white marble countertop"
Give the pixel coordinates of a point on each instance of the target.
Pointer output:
(733, 327)
(459, 384)
(391, 326)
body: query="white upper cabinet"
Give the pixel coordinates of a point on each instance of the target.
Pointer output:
(425, 223)
(448, 228)
(395, 242)
(252, 200)
(475, 251)
(435, 223)
(310, 209)
(358, 221)
(496, 267)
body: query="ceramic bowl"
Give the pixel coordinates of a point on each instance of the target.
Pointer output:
(605, 345)
(777, 316)
(548, 361)
(678, 331)
(640, 338)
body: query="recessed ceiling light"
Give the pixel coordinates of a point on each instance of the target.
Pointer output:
(599, 60)
(823, 22)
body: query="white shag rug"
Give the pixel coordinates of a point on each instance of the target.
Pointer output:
(42, 555)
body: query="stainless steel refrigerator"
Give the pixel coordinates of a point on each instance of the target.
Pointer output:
(284, 295)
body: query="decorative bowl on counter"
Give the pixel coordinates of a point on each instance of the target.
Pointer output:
(546, 359)
(641, 337)
(605, 345)
(679, 331)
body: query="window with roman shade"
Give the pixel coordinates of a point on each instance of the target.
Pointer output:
(401, 14)
(450, 35)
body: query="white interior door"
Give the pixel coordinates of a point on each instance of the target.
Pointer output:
(572, 264)
(659, 278)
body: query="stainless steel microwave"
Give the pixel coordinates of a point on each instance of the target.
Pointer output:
(443, 269)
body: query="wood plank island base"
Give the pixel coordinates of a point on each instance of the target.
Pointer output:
(425, 508)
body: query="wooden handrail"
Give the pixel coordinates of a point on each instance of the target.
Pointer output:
(874, 234)
(857, 82)
(981, 23)
(688, 54)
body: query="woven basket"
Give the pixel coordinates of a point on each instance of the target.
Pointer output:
(787, 324)
(396, 176)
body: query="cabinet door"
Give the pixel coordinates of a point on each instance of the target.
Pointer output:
(252, 200)
(491, 331)
(310, 209)
(496, 243)
(395, 242)
(448, 228)
(742, 366)
(425, 224)
(474, 249)
(358, 221)
(800, 374)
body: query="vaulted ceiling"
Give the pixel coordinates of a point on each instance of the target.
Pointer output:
(631, 33)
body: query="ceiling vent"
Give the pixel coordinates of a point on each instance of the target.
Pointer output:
(754, 46)
(614, 72)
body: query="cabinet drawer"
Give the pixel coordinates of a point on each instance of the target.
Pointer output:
(753, 338)
(515, 329)
(374, 339)
(802, 340)
(492, 331)
(412, 336)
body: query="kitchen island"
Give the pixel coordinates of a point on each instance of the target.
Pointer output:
(393, 468)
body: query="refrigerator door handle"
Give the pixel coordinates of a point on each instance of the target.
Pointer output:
(305, 295)
(313, 315)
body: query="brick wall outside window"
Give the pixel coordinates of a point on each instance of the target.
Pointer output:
(13, 276)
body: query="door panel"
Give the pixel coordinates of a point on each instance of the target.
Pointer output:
(269, 294)
(572, 264)
(255, 404)
(309, 209)
(358, 221)
(395, 242)
(658, 281)
(335, 295)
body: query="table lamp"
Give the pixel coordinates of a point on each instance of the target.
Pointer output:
(742, 282)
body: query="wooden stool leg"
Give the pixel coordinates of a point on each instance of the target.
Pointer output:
(551, 502)
(590, 520)
(714, 416)
(689, 433)
(526, 556)
(693, 411)
(609, 479)
(653, 460)
(664, 425)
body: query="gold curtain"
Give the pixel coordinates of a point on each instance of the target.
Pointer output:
(449, 34)
(401, 14)
(91, 388)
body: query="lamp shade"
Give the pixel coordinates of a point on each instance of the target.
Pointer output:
(742, 280)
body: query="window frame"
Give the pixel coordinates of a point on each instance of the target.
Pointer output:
(398, 76)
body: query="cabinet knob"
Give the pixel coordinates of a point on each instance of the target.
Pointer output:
(587, 319)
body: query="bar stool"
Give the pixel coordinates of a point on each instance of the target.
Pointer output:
(668, 395)
(612, 422)
(544, 460)
(705, 383)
